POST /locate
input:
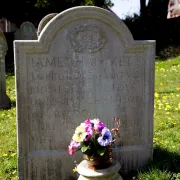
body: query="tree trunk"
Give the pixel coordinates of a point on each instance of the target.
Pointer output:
(157, 9)
(142, 7)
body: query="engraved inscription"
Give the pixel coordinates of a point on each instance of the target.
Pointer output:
(79, 84)
(108, 59)
(87, 38)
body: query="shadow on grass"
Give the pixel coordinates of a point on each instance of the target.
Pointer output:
(10, 69)
(165, 160)
(169, 92)
(13, 103)
(162, 160)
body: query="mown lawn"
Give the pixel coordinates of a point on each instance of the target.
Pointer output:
(166, 163)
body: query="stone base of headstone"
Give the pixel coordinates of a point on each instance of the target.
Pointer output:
(110, 173)
(5, 102)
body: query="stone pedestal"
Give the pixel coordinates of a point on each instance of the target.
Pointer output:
(110, 173)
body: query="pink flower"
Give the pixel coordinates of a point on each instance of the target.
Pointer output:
(71, 150)
(87, 121)
(72, 147)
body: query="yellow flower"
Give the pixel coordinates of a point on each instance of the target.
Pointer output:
(162, 69)
(79, 134)
(155, 140)
(13, 154)
(164, 97)
(156, 95)
(74, 170)
(168, 106)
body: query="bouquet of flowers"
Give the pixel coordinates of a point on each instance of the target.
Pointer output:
(93, 138)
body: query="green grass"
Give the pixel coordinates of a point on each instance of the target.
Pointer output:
(8, 139)
(166, 163)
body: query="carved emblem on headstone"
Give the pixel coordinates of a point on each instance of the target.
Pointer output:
(87, 38)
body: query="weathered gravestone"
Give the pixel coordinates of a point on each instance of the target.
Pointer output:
(17, 34)
(85, 63)
(5, 102)
(44, 21)
(27, 31)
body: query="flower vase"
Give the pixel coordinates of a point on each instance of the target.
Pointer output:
(100, 162)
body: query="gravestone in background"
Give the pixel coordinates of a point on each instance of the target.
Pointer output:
(27, 31)
(5, 102)
(44, 21)
(17, 34)
(84, 64)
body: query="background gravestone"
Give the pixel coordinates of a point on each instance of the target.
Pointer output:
(5, 102)
(17, 34)
(44, 21)
(27, 31)
(84, 64)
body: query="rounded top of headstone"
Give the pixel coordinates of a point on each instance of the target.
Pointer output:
(44, 21)
(81, 14)
(28, 31)
(83, 169)
(26, 23)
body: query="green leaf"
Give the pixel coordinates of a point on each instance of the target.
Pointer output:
(101, 151)
(84, 148)
(92, 158)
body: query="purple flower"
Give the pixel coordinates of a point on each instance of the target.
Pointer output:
(88, 128)
(87, 125)
(98, 125)
(74, 144)
(94, 124)
(89, 135)
(106, 137)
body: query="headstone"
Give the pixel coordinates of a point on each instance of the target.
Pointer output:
(85, 64)
(44, 21)
(2, 24)
(17, 34)
(5, 102)
(27, 31)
